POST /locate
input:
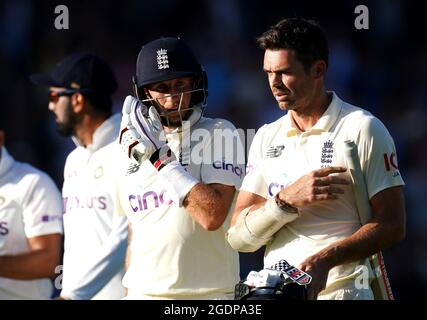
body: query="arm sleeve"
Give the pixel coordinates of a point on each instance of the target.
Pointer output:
(105, 263)
(378, 157)
(254, 180)
(224, 156)
(109, 259)
(42, 207)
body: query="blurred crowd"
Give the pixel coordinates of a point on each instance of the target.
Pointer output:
(382, 69)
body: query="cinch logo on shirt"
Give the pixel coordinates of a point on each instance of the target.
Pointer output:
(74, 202)
(228, 167)
(4, 230)
(145, 201)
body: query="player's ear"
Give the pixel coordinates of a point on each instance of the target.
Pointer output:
(318, 69)
(78, 102)
(147, 93)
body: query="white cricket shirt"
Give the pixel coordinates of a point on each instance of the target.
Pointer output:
(30, 206)
(95, 237)
(172, 256)
(280, 154)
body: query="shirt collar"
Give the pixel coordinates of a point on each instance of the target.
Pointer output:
(106, 133)
(325, 122)
(6, 162)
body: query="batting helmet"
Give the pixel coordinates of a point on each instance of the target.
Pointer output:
(282, 291)
(166, 59)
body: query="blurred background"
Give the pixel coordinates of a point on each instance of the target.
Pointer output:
(383, 69)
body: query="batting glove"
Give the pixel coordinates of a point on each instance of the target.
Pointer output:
(141, 134)
(142, 137)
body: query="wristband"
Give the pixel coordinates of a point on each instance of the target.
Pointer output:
(180, 180)
(284, 206)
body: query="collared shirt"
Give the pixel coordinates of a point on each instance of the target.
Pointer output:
(95, 237)
(172, 255)
(280, 154)
(30, 206)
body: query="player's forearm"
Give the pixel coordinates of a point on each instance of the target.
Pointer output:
(207, 206)
(369, 239)
(29, 266)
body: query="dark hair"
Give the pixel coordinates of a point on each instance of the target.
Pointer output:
(102, 103)
(305, 37)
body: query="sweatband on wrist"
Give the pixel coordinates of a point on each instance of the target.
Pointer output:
(180, 180)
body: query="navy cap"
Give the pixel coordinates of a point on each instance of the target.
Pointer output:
(80, 71)
(165, 59)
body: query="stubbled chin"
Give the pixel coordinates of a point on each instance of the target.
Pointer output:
(284, 105)
(287, 105)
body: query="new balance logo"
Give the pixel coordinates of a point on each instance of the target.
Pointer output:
(132, 169)
(274, 152)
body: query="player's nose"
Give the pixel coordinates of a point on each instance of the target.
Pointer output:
(51, 106)
(172, 101)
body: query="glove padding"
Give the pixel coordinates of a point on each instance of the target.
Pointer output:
(142, 137)
(141, 134)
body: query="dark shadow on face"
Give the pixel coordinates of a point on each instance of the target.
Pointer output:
(66, 128)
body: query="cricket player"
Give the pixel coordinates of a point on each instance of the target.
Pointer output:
(296, 197)
(178, 193)
(80, 89)
(30, 229)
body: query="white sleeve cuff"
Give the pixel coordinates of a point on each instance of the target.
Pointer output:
(180, 180)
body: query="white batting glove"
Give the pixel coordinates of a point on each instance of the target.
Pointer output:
(142, 137)
(141, 134)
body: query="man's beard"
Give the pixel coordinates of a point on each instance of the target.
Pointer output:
(175, 123)
(66, 128)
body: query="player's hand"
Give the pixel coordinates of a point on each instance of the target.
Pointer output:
(317, 185)
(318, 269)
(141, 131)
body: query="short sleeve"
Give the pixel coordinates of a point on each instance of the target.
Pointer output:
(42, 207)
(254, 180)
(123, 166)
(378, 157)
(223, 156)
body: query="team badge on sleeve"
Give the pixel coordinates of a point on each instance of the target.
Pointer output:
(390, 161)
